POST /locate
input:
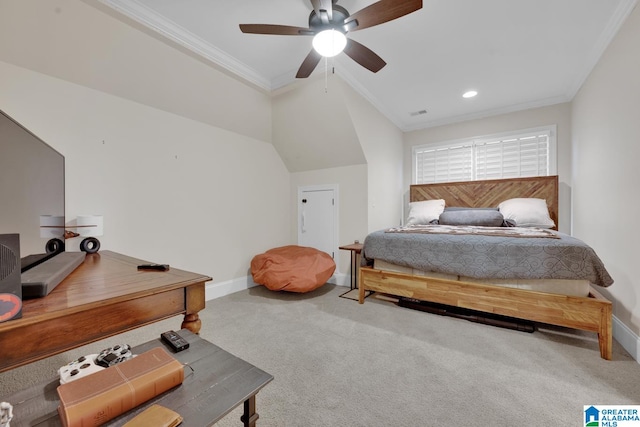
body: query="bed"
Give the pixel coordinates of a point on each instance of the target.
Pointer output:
(586, 309)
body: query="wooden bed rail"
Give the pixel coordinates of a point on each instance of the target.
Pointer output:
(593, 313)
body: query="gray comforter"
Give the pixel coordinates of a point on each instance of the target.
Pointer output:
(489, 257)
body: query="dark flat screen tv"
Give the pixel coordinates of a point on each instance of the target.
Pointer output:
(31, 185)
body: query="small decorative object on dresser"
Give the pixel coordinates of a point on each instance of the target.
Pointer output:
(52, 228)
(87, 226)
(90, 227)
(6, 414)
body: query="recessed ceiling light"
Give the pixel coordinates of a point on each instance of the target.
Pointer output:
(469, 94)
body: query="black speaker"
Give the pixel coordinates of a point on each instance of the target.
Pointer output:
(10, 283)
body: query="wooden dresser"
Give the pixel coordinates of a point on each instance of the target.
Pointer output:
(104, 296)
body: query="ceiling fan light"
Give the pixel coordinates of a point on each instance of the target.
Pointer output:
(329, 42)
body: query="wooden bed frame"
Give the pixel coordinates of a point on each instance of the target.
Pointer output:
(592, 313)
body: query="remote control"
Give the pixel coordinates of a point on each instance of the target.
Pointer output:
(175, 341)
(154, 267)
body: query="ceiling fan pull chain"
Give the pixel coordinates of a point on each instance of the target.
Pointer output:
(326, 74)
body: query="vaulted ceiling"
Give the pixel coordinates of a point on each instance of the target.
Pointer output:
(517, 54)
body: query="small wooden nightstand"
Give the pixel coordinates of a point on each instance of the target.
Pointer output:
(355, 249)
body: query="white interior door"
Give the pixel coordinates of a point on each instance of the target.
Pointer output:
(317, 218)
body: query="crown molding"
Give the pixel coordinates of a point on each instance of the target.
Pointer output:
(140, 13)
(618, 18)
(283, 80)
(488, 113)
(362, 91)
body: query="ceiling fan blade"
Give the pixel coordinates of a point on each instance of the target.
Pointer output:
(282, 30)
(309, 64)
(364, 56)
(324, 9)
(381, 12)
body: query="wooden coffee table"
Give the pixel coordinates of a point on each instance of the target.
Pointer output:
(216, 382)
(104, 296)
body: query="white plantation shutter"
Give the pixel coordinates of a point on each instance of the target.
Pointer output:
(445, 164)
(520, 154)
(513, 157)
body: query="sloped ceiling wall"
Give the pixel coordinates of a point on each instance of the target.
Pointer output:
(309, 126)
(312, 127)
(76, 42)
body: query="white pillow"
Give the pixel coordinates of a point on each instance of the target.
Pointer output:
(528, 212)
(424, 212)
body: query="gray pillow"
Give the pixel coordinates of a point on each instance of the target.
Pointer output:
(468, 216)
(457, 208)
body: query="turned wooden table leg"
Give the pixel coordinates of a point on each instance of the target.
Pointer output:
(192, 322)
(195, 301)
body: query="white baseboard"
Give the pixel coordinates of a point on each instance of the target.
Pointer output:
(220, 289)
(627, 338)
(340, 279)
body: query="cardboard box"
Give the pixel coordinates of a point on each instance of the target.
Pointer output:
(104, 395)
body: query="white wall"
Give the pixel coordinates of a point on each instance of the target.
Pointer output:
(176, 153)
(155, 139)
(312, 128)
(171, 189)
(363, 144)
(315, 135)
(381, 143)
(559, 114)
(606, 151)
(352, 204)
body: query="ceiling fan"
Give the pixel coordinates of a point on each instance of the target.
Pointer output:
(329, 24)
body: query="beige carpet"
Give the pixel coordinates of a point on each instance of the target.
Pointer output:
(340, 363)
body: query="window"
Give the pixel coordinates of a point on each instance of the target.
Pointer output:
(523, 153)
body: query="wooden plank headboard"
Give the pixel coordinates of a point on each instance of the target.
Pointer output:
(489, 193)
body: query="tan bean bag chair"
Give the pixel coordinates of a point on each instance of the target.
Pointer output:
(292, 268)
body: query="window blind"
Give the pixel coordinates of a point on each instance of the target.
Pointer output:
(445, 164)
(515, 155)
